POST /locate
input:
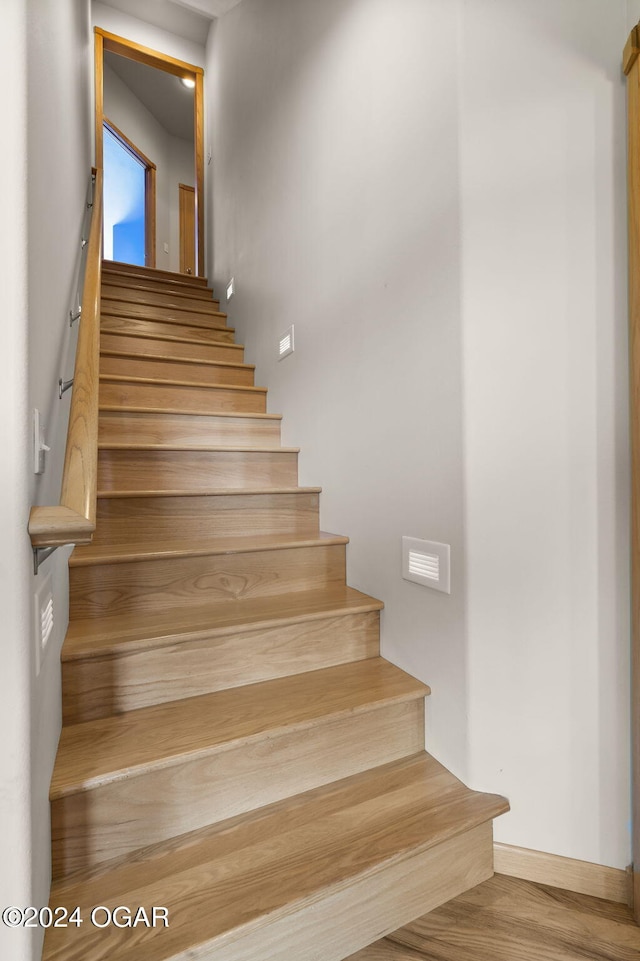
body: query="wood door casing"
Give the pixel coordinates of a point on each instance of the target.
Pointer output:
(187, 211)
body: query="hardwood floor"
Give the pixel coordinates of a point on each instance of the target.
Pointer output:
(506, 919)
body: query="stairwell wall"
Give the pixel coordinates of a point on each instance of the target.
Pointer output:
(433, 193)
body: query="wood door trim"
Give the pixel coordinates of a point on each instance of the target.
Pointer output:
(149, 192)
(103, 40)
(181, 227)
(632, 69)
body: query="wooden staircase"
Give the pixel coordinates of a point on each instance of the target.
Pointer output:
(234, 748)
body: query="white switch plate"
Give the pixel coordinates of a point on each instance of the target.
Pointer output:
(427, 563)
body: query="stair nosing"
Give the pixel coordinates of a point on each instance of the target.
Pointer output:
(418, 691)
(121, 409)
(159, 319)
(212, 448)
(120, 379)
(130, 555)
(206, 492)
(167, 358)
(168, 338)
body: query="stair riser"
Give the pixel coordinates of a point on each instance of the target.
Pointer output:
(161, 585)
(169, 470)
(167, 277)
(125, 521)
(124, 282)
(89, 827)
(167, 314)
(196, 400)
(370, 907)
(162, 298)
(204, 374)
(129, 427)
(99, 687)
(146, 347)
(150, 328)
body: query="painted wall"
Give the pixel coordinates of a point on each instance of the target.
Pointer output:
(15, 678)
(124, 25)
(438, 206)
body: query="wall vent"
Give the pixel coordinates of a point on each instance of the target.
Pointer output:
(43, 613)
(285, 344)
(427, 563)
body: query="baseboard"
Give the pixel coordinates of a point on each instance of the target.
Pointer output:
(583, 877)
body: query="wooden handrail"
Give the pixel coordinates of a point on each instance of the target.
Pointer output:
(73, 520)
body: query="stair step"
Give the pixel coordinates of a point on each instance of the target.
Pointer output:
(167, 277)
(120, 425)
(219, 755)
(149, 517)
(155, 312)
(320, 875)
(177, 397)
(146, 285)
(178, 299)
(179, 349)
(169, 330)
(173, 368)
(129, 467)
(112, 298)
(119, 664)
(237, 568)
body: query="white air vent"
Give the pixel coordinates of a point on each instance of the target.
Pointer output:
(43, 614)
(427, 563)
(285, 345)
(231, 289)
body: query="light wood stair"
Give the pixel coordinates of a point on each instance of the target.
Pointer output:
(234, 748)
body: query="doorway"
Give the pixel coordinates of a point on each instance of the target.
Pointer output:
(142, 73)
(129, 216)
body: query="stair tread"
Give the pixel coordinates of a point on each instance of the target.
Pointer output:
(173, 339)
(233, 448)
(164, 382)
(257, 867)
(140, 284)
(90, 554)
(138, 631)
(110, 293)
(170, 358)
(155, 273)
(210, 492)
(121, 409)
(137, 312)
(98, 752)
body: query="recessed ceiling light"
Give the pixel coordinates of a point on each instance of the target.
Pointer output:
(188, 82)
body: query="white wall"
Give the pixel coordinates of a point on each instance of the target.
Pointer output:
(15, 678)
(433, 192)
(147, 34)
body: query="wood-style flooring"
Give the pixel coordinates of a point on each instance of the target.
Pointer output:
(506, 919)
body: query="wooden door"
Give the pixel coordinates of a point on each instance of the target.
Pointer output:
(187, 229)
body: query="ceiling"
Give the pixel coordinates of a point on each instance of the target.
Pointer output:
(189, 19)
(161, 93)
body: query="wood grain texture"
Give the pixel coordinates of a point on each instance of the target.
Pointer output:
(141, 54)
(193, 664)
(136, 427)
(131, 283)
(48, 524)
(176, 300)
(131, 632)
(342, 863)
(611, 884)
(198, 118)
(187, 398)
(166, 469)
(149, 520)
(166, 330)
(180, 349)
(189, 371)
(169, 279)
(633, 185)
(631, 51)
(506, 919)
(214, 320)
(163, 585)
